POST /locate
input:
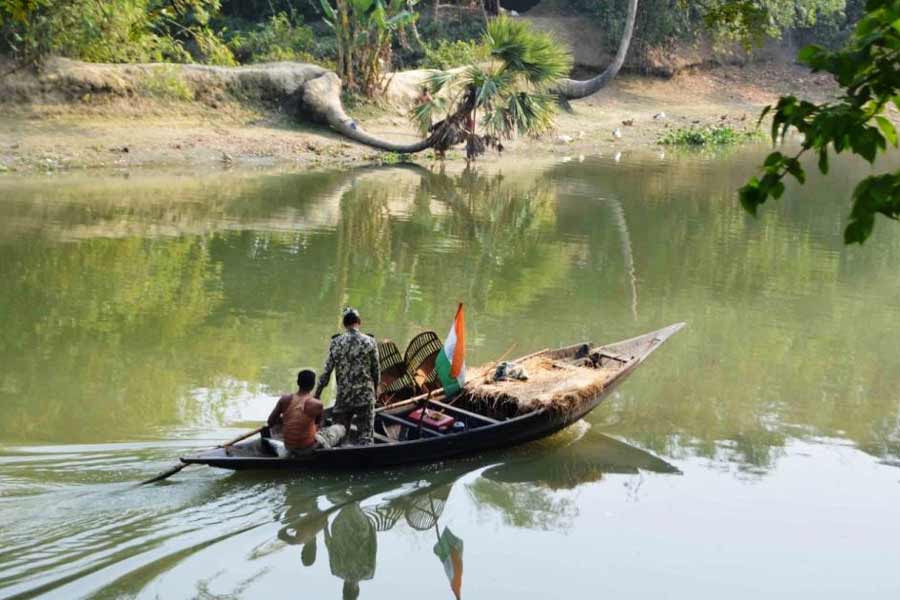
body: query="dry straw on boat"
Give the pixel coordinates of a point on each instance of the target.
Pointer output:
(555, 385)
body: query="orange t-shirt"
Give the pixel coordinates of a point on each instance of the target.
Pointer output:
(297, 427)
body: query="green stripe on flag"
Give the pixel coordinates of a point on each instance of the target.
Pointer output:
(442, 366)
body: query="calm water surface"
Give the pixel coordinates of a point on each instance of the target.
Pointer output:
(756, 454)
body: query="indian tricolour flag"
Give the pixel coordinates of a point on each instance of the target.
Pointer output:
(451, 361)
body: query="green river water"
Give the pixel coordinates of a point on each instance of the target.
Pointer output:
(757, 454)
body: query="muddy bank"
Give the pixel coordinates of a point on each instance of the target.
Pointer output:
(77, 116)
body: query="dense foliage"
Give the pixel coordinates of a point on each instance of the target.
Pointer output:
(365, 31)
(447, 55)
(112, 31)
(867, 71)
(279, 38)
(661, 22)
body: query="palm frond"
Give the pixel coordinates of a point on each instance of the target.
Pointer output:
(488, 83)
(522, 49)
(521, 113)
(425, 113)
(438, 80)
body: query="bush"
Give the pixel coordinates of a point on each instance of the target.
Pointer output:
(715, 135)
(165, 83)
(447, 54)
(274, 40)
(112, 31)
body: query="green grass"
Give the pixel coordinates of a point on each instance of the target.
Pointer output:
(394, 158)
(710, 135)
(166, 83)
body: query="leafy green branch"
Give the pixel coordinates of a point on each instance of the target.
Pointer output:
(867, 71)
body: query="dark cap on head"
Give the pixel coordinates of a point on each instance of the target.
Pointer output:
(351, 317)
(306, 379)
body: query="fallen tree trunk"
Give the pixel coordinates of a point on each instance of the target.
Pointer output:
(321, 100)
(573, 89)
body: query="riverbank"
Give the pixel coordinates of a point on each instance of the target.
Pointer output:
(153, 130)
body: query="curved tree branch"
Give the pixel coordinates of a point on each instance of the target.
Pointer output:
(572, 89)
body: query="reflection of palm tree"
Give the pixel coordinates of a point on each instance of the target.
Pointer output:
(627, 250)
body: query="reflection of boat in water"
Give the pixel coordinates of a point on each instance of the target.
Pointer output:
(417, 500)
(586, 460)
(576, 390)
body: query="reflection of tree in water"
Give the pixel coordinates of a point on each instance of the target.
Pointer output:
(81, 313)
(525, 490)
(783, 321)
(486, 239)
(239, 290)
(364, 241)
(508, 228)
(525, 505)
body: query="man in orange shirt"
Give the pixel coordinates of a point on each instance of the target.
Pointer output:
(299, 414)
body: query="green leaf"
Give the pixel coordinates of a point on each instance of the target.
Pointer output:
(859, 230)
(887, 128)
(328, 10)
(823, 160)
(777, 190)
(763, 114)
(751, 196)
(796, 169)
(773, 160)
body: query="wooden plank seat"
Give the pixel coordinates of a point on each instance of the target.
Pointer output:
(410, 424)
(459, 411)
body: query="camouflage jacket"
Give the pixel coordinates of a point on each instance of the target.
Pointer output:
(354, 357)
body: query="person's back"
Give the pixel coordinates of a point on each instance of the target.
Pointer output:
(298, 414)
(354, 356)
(299, 421)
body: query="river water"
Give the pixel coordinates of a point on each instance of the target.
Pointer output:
(756, 454)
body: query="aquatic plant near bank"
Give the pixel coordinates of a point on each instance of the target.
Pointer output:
(715, 135)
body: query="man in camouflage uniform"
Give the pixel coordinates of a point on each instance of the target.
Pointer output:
(354, 355)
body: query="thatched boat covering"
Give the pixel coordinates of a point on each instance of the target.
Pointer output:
(555, 384)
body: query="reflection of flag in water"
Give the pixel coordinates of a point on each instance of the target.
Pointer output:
(449, 549)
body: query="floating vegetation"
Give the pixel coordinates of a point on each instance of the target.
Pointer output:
(714, 135)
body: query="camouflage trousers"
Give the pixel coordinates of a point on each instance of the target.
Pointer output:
(360, 416)
(331, 436)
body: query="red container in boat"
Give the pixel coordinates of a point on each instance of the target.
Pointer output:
(432, 418)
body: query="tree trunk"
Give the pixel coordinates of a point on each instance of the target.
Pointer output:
(572, 89)
(322, 98)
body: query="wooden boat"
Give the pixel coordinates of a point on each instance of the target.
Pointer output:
(485, 425)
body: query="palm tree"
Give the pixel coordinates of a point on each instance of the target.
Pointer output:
(508, 96)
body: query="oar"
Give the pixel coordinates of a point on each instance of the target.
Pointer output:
(168, 473)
